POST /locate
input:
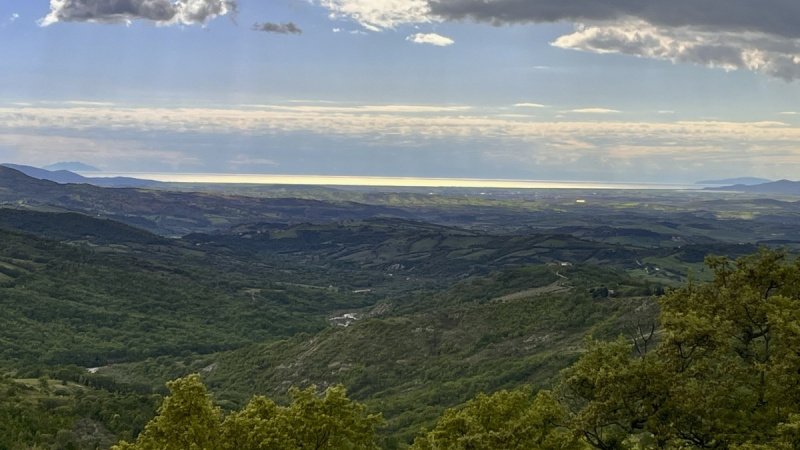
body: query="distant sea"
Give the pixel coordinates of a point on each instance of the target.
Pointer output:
(331, 180)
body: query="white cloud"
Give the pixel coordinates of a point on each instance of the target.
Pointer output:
(430, 39)
(594, 111)
(377, 15)
(789, 113)
(360, 108)
(413, 121)
(11, 19)
(517, 142)
(758, 52)
(87, 103)
(530, 105)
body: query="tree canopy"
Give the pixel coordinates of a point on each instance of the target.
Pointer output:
(721, 371)
(724, 374)
(188, 420)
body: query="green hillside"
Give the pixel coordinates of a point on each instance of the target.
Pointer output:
(511, 328)
(412, 312)
(90, 304)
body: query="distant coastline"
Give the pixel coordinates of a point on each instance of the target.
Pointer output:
(335, 180)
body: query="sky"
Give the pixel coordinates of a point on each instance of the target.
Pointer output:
(582, 90)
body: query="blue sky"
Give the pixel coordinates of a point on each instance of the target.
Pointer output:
(551, 90)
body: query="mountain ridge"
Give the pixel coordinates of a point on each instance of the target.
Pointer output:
(784, 187)
(63, 176)
(747, 181)
(72, 166)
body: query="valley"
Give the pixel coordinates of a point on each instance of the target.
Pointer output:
(414, 302)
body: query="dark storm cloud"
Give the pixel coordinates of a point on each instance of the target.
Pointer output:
(777, 17)
(164, 12)
(281, 28)
(757, 35)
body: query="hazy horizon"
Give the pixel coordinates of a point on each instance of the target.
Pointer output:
(386, 181)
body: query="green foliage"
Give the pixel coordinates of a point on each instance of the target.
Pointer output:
(505, 419)
(462, 311)
(43, 413)
(331, 421)
(188, 420)
(92, 305)
(484, 334)
(724, 374)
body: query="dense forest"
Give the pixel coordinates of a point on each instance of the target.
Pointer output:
(721, 371)
(453, 320)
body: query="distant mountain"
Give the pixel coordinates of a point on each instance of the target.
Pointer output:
(785, 187)
(747, 181)
(67, 177)
(72, 166)
(58, 176)
(173, 213)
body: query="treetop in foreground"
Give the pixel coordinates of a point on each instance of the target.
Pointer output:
(188, 420)
(721, 372)
(724, 374)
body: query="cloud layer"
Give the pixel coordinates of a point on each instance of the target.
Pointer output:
(486, 143)
(777, 17)
(761, 36)
(280, 28)
(162, 12)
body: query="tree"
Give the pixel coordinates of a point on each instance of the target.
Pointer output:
(725, 373)
(187, 420)
(506, 419)
(311, 421)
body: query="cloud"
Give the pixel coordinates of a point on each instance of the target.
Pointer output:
(161, 12)
(11, 19)
(789, 113)
(382, 121)
(377, 15)
(594, 111)
(776, 17)
(775, 56)
(361, 109)
(87, 103)
(343, 135)
(760, 36)
(530, 105)
(430, 39)
(280, 28)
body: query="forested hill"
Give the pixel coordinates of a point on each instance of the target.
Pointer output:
(109, 293)
(169, 212)
(412, 316)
